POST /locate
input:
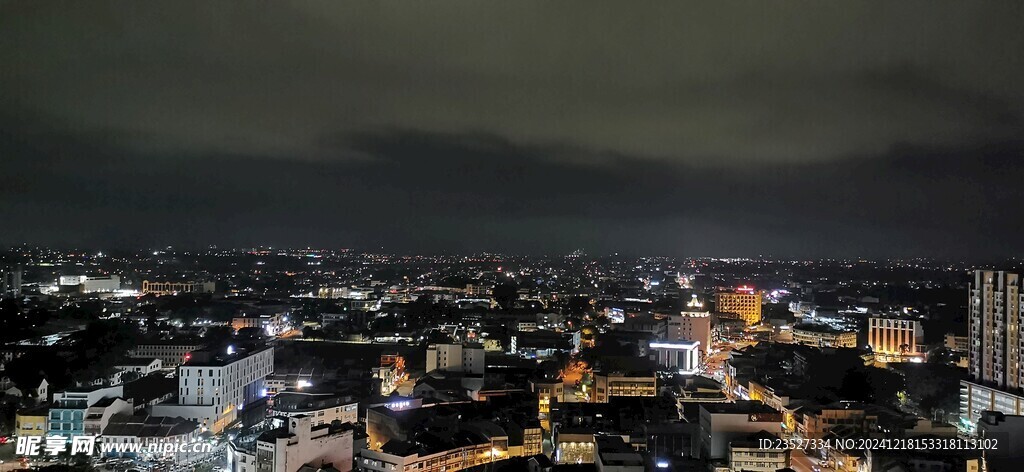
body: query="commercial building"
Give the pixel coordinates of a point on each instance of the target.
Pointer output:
(391, 373)
(321, 408)
(171, 353)
(816, 422)
(821, 335)
(467, 358)
(690, 326)
(301, 444)
(149, 431)
(896, 339)
(747, 454)
(677, 356)
(723, 423)
(461, 453)
(214, 386)
(995, 359)
(31, 421)
(574, 445)
(70, 408)
(612, 454)
(744, 301)
(92, 284)
(623, 384)
(549, 392)
(271, 324)
(171, 288)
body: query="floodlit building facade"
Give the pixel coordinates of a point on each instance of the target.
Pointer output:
(744, 301)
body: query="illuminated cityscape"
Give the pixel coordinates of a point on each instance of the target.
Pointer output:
(511, 236)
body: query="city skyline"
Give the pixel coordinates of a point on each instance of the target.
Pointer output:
(872, 130)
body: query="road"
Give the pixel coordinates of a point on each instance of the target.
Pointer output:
(801, 462)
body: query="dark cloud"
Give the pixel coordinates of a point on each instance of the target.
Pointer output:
(791, 128)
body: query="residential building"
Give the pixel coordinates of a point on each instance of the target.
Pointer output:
(467, 358)
(956, 343)
(98, 415)
(994, 357)
(141, 366)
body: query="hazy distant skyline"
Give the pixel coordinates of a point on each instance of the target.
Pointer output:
(793, 129)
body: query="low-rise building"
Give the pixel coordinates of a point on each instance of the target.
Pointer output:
(170, 353)
(172, 288)
(723, 423)
(549, 392)
(821, 335)
(68, 413)
(677, 356)
(151, 433)
(31, 421)
(612, 454)
(391, 373)
(321, 408)
(574, 445)
(140, 366)
(749, 454)
(623, 384)
(271, 324)
(300, 444)
(896, 339)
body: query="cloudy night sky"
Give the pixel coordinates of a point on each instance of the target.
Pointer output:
(796, 129)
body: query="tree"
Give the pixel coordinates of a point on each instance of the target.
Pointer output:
(505, 295)
(217, 336)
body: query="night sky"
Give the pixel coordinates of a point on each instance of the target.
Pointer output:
(795, 129)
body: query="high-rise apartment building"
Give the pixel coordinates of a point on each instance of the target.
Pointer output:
(995, 361)
(744, 301)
